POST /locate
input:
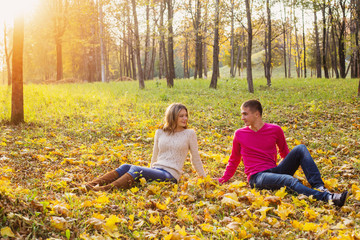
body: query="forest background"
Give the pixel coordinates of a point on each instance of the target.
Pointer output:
(88, 41)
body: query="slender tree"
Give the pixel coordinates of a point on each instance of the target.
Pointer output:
(102, 44)
(137, 46)
(147, 60)
(304, 42)
(268, 58)
(171, 72)
(324, 40)
(249, 48)
(232, 54)
(7, 55)
(334, 55)
(317, 44)
(17, 100)
(60, 20)
(215, 72)
(341, 39)
(284, 40)
(198, 41)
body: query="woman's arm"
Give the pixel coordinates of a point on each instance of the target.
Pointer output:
(195, 157)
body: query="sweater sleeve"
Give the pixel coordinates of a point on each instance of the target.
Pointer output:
(156, 148)
(233, 163)
(194, 155)
(281, 143)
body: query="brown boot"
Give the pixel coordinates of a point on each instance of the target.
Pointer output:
(103, 180)
(124, 182)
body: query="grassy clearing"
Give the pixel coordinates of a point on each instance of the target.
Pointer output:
(78, 131)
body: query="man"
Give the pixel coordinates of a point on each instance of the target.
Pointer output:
(256, 145)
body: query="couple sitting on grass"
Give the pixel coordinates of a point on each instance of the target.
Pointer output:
(256, 144)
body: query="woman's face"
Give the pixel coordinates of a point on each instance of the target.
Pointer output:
(182, 118)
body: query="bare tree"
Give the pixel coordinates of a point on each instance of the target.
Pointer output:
(171, 72)
(325, 33)
(17, 100)
(268, 38)
(59, 9)
(232, 56)
(137, 46)
(7, 56)
(249, 48)
(317, 43)
(215, 72)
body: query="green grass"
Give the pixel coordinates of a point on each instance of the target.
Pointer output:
(74, 132)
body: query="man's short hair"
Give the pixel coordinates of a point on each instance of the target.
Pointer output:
(254, 106)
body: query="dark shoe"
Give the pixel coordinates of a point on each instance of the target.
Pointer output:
(124, 182)
(339, 198)
(103, 180)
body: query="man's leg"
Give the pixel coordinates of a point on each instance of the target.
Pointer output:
(274, 181)
(300, 156)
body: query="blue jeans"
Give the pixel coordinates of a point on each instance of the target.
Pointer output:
(150, 174)
(282, 175)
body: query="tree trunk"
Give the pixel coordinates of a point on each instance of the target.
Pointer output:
(298, 56)
(290, 42)
(232, 54)
(204, 45)
(7, 56)
(317, 50)
(102, 48)
(237, 59)
(17, 100)
(357, 38)
(60, 22)
(162, 53)
(248, 60)
(147, 42)
(186, 57)
(304, 43)
(324, 47)
(242, 54)
(171, 72)
(341, 42)
(354, 31)
(284, 42)
(268, 58)
(198, 42)
(215, 72)
(334, 61)
(137, 47)
(59, 65)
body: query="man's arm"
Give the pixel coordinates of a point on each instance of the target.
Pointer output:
(233, 163)
(281, 143)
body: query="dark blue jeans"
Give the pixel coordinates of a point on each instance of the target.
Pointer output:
(282, 175)
(150, 174)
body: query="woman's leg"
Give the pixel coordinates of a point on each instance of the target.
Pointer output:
(135, 173)
(300, 156)
(123, 169)
(150, 174)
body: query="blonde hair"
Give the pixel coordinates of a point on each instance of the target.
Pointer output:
(171, 117)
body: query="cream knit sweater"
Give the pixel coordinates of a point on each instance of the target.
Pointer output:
(170, 151)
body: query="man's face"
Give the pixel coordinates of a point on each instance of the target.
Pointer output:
(249, 117)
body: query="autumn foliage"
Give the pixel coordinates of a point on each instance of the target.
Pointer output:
(75, 132)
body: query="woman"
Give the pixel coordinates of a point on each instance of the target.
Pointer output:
(171, 146)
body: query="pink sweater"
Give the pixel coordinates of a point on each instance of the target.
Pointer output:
(257, 149)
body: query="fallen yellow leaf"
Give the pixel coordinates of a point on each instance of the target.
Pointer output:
(6, 232)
